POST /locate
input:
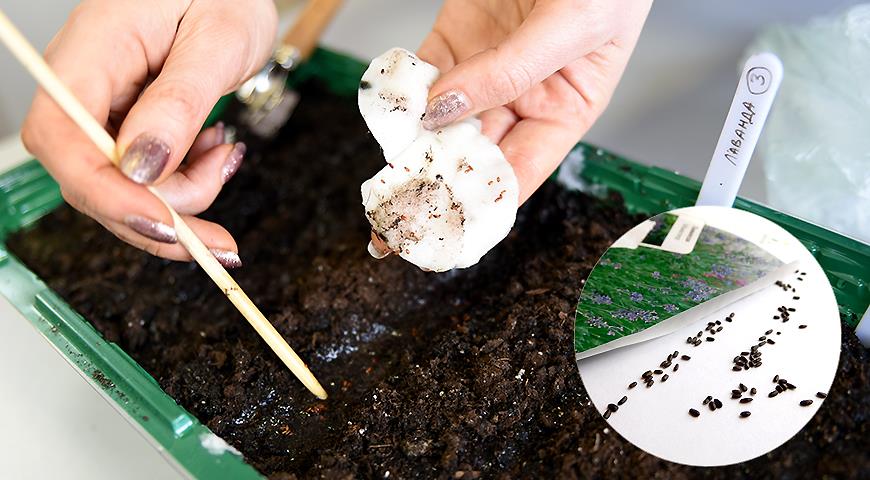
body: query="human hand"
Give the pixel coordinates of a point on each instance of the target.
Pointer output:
(150, 72)
(537, 73)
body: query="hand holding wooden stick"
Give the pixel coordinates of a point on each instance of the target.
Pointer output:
(46, 78)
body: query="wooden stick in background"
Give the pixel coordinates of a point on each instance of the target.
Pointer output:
(46, 78)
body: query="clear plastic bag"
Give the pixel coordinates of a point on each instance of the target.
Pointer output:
(816, 144)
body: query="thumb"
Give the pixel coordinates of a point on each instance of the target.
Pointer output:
(547, 40)
(163, 123)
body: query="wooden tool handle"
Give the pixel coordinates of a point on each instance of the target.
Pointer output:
(310, 24)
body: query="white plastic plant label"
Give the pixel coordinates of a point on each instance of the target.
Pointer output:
(756, 89)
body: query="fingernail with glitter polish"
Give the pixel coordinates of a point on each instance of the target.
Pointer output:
(445, 108)
(227, 258)
(145, 158)
(157, 231)
(233, 161)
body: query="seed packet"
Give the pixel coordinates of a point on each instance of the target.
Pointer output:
(653, 275)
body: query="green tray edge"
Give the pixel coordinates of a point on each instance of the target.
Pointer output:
(27, 193)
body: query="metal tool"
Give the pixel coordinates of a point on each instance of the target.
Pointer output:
(268, 101)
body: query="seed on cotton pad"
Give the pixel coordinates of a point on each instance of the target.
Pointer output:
(448, 196)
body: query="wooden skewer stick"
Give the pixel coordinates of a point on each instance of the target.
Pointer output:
(34, 63)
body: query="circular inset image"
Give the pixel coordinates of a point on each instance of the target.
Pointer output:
(707, 336)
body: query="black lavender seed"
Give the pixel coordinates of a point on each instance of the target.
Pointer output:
(768, 332)
(632, 384)
(744, 353)
(745, 414)
(710, 339)
(802, 326)
(731, 315)
(770, 341)
(822, 395)
(796, 298)
(665, 377)
(650, 383)
(708, 399)
(780, 388)
(606, 414)
(719, 329)
(745, 400)
(647, 373)
(800, 279)
(718, 322)
(778, 333)
(718, 403)
(694, 413)
(657, 371)
(685, 357)
(762, 338)
(791, 309)
(806, 403)
(676, 367)
(775, 378)
(790, 386)
(752, 391)
(736, 368)
(743, 388)
(622, 400)
(772, 394)
(776, 317)
(612, 407)
(712, 406)
(735, 394)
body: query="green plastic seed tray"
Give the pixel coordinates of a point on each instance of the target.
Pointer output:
(27, 193)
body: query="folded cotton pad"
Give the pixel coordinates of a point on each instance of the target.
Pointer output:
(446, 196)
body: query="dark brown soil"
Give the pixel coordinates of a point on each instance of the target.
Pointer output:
(456, 375)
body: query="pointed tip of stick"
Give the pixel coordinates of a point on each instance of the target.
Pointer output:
(322, 395)
(309, 380)
(317, 390)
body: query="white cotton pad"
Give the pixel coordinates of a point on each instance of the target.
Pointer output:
(446, 197)
(392, 98)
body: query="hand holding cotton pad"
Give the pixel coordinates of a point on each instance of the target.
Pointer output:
(447, 196)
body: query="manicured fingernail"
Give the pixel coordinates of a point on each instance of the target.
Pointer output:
(227, 258)
(445, 108)
(233, 161)
(157, 231)
(145, 159)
